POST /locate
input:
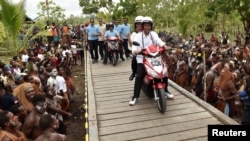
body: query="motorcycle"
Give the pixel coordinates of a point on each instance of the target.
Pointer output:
(155, 68)
(113, 49)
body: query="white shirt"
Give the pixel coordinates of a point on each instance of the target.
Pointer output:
(148, 40)
(102, 30)
(132, 36)
(61, 84)
(74, 49)
(40, 56)
(25, 58)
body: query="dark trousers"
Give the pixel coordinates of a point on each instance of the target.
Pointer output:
(49, 39)
(134, 64)
(121, 50)
(105, 50)
(101, 48)
(125, 47)
(93, 49)
(140, 73)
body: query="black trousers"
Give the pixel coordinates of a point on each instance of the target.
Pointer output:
(105, 55)
(93, 49)
(125, 47)
(134, 64)
(101, 48)
(140, 73)
(121, 50)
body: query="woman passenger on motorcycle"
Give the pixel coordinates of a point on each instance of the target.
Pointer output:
(145, 38)
(138, 28)
(109, 33)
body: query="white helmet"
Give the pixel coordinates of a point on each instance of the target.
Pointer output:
(147, 20)
(138, 19)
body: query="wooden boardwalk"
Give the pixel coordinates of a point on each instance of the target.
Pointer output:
(112, 119)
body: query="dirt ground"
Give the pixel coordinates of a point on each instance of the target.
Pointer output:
(76, 130)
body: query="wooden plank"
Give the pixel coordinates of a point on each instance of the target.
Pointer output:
(139, 125)
(126, 96)
(144, 106)
(159, 130)
(200, 134)
(197, 139)
(145, 117)
(143, 111)
(122, 104)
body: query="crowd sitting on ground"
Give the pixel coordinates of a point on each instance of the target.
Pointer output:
(36, 90)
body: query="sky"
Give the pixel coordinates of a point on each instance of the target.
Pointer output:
(71, 7)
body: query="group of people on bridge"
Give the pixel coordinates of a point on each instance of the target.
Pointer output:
(213, 69)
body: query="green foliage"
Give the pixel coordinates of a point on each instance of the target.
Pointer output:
(2, 32)
(227, 7)
(12, 18)
(52, 12)
(90, 7)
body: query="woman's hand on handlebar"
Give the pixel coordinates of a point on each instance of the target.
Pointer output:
(136, 52)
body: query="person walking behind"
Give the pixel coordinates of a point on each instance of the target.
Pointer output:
(125, 32)
(92, 33)
(117, 28)
(102, 28)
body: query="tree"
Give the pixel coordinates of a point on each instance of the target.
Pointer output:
(227, 7)
(12, 17)
(110, 9)
(51, 12)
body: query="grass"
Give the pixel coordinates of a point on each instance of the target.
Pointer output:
(6, 58)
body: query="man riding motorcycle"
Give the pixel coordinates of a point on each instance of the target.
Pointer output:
(145, 38)
(109, 33)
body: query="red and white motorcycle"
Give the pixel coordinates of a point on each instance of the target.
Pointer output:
(156, 70)
(113, 49)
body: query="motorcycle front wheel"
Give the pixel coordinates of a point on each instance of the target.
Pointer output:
(115, 58)
(161, 102)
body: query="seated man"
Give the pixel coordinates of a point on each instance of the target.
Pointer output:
(9, 127)
(49, 125)
(31, 126)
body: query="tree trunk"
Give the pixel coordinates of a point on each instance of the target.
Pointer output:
(246, 26)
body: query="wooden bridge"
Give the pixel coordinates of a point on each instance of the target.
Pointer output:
(110, 118)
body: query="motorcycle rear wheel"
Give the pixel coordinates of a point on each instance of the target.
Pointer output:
(161, 102)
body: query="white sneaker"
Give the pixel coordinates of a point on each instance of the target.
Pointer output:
(133, 101)
(169, 95)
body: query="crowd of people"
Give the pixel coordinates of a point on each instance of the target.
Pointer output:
(37, 87)
(214, 69)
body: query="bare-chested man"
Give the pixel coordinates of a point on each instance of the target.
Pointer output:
(9, 125)
(31, 126)
(49, 124)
